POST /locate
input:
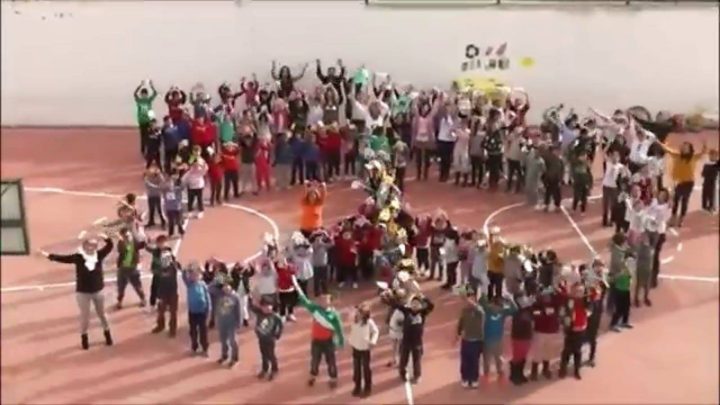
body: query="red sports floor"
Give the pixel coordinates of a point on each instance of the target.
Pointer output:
(72, 177)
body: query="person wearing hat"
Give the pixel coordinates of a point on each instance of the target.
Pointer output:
(89, 283)
(268, 330)
(470, 336)
(228, 319)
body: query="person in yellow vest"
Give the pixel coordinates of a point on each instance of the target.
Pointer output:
(684, 162)
(496, 263)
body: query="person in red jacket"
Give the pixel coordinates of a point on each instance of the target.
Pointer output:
(330, 143)
(370, 238)
(215, 173)
(574, 315)
(422, 244)
(231, 168)
(546, 314)
(287, 294)
(262, 164)
(202, 134)
(346, 254)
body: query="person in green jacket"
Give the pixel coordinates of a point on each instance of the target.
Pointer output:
(379, 141)
(143, 110)
(621, 283)
(582, 181)
(226, 127)
(327, 334)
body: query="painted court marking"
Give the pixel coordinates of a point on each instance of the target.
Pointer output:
(175, 248)
(589, 245)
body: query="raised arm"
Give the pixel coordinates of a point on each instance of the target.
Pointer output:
(302, 73)
(106, 249)
(319, 73)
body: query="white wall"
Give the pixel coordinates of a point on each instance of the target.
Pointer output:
(82, 68)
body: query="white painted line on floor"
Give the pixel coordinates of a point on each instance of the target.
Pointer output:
(408, 393)
(689, 278)
(175, 249)
(679, 247)
(100, 220)
(587, 243)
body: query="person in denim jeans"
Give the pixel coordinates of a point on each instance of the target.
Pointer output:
(199, 307)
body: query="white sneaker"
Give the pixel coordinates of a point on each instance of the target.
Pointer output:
(474, 384)
(341, 284)
(355, 285)
(291, 318)
(551, 208)
(465, 384)
(539, 207)
(199, 215)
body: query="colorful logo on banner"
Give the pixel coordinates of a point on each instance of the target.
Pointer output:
(490, 58)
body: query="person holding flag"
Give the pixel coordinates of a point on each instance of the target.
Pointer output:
(327, 334)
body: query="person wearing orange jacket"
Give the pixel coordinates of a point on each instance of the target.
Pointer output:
(311, 207)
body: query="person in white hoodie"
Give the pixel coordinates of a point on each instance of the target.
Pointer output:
(194, 179)
(363, 337)
(478, 278)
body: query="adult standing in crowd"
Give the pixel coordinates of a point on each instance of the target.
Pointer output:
(89, 283)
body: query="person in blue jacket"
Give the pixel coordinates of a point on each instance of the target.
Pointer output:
(496, 312)
(199, 308)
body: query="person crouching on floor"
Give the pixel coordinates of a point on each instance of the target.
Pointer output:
(268, 329)
(127, 266)
(327, 334)
(414, 317)
(470, 335)
(521, 335)
(228, 322)
(199, 308)
(363, 337)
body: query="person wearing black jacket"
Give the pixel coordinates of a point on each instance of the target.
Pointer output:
(336, 80)
(89, 283)
(493, 146)
(165, 272)
(414, 317)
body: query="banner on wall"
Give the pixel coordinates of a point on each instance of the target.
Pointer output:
(491, 57)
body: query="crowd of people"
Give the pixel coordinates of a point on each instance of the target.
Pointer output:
(260, 137)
